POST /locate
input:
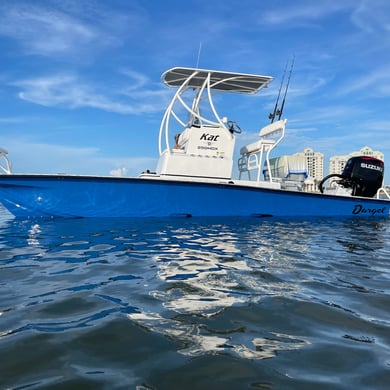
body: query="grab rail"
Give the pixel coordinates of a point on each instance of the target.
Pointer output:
(384, 191)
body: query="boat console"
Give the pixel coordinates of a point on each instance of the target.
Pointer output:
(204, 141)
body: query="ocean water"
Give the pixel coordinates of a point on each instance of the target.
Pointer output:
(194, 303)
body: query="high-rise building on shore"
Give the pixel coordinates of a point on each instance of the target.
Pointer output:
(314, 163)
(337, 163)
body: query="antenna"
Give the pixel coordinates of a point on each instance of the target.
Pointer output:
(200, 49)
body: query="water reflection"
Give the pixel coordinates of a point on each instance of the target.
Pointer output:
(197, 282)
(33, 235)
(209, 269)
(207, 273)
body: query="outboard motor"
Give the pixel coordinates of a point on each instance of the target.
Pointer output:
(363, 174)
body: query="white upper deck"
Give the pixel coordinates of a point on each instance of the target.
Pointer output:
(222, 81)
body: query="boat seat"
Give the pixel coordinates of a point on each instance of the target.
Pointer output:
(252, 155)
(255, 147)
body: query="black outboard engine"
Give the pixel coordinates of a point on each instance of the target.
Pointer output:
(363, 174)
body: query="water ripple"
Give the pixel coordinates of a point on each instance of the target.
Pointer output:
(294, 303)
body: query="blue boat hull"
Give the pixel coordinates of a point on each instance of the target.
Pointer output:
(88, 196)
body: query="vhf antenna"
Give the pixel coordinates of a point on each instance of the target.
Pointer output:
(199, 51)
(278, 112)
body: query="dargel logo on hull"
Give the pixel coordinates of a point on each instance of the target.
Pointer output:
(360, 209)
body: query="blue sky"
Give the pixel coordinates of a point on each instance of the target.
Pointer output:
(81, 91)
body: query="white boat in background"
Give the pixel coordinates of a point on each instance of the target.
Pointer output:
(194, 174)
(5, 166)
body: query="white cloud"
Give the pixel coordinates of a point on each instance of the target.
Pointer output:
(70, 91)
(375, 83)
(139, 80)
(27, 156)
(69, 29)
(11, 120)
(43, 31)
(303, 12)
(373, 16)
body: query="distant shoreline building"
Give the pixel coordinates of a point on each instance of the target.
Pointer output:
(314, 163)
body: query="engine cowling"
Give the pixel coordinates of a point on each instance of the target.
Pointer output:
(362, 174)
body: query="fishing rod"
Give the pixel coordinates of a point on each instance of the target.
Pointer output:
(285, 92)
(275, 112)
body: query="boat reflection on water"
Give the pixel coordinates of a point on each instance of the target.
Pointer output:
(207, 275)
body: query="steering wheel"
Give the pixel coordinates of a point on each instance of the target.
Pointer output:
(233, 127)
